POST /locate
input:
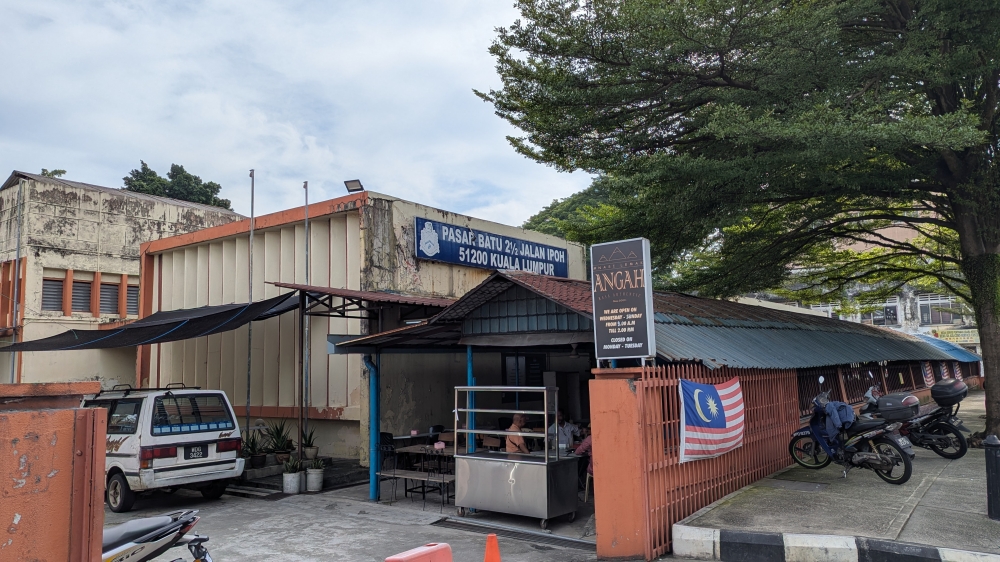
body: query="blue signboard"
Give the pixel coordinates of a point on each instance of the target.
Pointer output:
(474, 248)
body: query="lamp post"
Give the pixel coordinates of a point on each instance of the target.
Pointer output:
(307, 348)
(250, 301)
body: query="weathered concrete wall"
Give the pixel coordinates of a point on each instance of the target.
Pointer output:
(399, 269)
(86, 228)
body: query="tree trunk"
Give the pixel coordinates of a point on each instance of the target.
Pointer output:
(983, 276)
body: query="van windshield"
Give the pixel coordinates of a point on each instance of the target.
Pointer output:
(191, 413)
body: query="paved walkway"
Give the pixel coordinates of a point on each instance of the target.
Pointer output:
(943, 504)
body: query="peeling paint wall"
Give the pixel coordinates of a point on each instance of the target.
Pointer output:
(68, 225)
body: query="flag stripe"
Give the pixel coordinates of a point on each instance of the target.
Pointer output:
(699, 442)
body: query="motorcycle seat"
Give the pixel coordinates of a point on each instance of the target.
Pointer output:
(121, 534)
(862, 426)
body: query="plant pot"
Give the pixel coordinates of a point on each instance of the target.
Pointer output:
(310, 452)
(314, 479)
(282, 456)
(291, 482)
(258, 461)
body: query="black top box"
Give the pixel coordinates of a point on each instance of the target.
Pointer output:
(898, 407)
(949, 392)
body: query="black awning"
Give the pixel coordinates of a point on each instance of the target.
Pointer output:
(172, 325)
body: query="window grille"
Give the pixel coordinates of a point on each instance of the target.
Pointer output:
(52, 294)
(81, 296)
(109, 298)
(132, 300)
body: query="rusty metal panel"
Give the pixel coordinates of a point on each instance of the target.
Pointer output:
(52, 484)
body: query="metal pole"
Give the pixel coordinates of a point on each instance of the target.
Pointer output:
(307, 391)
(250, 300)
(302, 323)
(17, 282)
(374, 429)
(992, 446)
(470, 400)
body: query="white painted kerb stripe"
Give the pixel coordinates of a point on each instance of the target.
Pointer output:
(698, 543)
(949, 555)
(820, 548)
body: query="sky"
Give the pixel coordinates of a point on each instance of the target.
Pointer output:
(317, 91)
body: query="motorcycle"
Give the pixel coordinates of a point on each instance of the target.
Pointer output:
(938, 430)
(144, 539)
(865, 444)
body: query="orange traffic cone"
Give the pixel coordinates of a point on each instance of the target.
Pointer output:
(492, 549)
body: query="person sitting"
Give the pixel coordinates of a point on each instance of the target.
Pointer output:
(515, 443)
(565, 431)
(585, 449)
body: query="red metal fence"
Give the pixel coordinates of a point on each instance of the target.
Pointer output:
(674, 491)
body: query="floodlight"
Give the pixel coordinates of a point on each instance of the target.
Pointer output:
(354, 186)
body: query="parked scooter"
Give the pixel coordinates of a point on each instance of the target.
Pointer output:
(939, 430)
(864, 444)
(144, 539)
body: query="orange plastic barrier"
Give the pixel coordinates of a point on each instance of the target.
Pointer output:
(433, 552)
(492, 549)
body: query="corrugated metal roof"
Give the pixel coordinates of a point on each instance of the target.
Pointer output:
(370, 296)
(688, 328)
(956, 351)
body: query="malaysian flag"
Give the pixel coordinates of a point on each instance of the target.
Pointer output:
(711, 419)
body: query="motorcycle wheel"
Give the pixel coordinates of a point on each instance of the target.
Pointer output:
(959, 446)
(807, 453)
(900, 473)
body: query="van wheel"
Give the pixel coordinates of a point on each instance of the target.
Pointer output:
(120, 497)
(214, 490)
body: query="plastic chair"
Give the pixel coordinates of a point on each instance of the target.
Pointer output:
(387, 452)
(586, 487)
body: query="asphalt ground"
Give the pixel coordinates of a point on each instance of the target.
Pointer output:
(339, 525)
(942, 505)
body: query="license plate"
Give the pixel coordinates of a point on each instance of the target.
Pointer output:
(903, 442)
(194, 452)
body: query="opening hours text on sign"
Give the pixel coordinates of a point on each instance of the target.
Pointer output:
(621, 284)
(461, 245)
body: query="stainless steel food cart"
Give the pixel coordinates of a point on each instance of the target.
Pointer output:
(541, 484)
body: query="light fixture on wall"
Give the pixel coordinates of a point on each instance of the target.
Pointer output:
(353, 186)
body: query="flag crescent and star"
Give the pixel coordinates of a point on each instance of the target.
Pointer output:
(711, 419)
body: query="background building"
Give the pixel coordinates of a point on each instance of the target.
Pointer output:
(79, 250)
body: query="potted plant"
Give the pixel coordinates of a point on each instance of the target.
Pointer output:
(254, 449)
(314, 476)
(281, 441)
(309, 448)
(291, 480)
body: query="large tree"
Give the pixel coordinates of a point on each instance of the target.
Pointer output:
(748, 139)
(179, 184)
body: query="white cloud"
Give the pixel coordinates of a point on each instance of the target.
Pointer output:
(380, 91)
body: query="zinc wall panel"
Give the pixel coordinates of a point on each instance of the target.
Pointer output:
(227, 358)
(353, 268)
(190, 298)
(319, 236)
(288, 353)
(270, 263)
(337, 364)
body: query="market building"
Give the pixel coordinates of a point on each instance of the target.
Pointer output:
(376, 263)
(78, 246)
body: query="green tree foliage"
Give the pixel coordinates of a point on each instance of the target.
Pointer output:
(561, 215)
(179, 184)
(750, 140)
(53, 173)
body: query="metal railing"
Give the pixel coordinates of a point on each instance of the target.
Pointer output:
(550, 405)
(673, 491)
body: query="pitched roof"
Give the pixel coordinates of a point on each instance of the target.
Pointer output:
(689, 328)
(16, 175)
(370, 296)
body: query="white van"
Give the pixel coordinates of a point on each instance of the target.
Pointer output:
(175, 437)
